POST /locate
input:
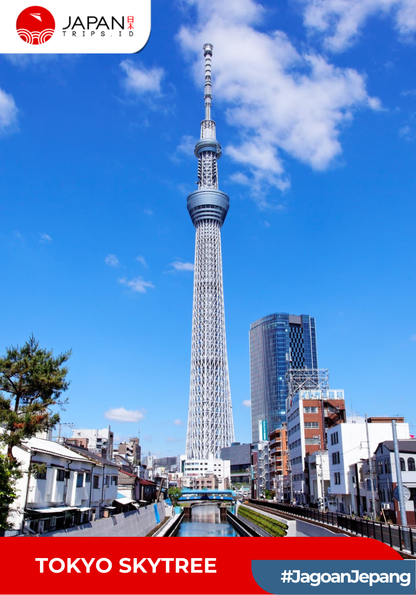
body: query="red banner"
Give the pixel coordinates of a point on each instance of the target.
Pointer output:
(162, 565)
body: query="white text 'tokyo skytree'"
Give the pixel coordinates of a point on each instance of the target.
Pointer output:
(210, 417)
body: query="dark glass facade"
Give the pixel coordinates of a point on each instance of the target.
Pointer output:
(277, 342)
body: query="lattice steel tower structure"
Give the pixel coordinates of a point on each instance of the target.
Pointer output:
(210, 418)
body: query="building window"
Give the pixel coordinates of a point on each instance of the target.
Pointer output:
(337, 478)
(114, 480)
(40, 473)
(335, 458)
(88, 478)
(402, 465)
(334, 438)
(411, 464)
(96, 482)
(106, 480)
(80, 480)
(312, 441)
(311, 425)
(60, 475)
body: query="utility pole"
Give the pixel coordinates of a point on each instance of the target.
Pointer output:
(370, 462)
(403, 515)
(322, 480)
(289, 462)
(60, 425)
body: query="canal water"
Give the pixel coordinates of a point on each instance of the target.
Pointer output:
(206, 522)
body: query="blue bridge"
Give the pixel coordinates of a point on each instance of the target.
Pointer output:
(207, 495)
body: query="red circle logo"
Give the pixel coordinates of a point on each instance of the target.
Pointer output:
(35, 25)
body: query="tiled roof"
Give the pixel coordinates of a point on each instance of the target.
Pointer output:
(404, 445)
(54, 448)
(91, 455)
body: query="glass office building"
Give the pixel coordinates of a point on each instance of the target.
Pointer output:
(277, 343)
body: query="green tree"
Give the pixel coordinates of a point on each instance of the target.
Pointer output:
(31, 382)
(8, 475)
(174, 494)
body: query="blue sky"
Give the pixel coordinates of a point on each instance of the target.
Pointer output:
(315, 104)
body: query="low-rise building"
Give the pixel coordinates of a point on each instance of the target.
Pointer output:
(319, 477)
(347, 445)
(59, 487)
(100, 442)
(359, 478)
(131, 450)
(239, 456)
(387, 479)
(104, 482)
(203, 467)
(310, 414)
(278, 461)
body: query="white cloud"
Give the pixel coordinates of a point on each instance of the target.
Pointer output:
(137, 285)
(280, 101)
(124, 415)
(187, 144)
(112, 261)
(8, 112)
(170, 439)
(247, 403)
(178, 422)
(44, 237)
(140, 80)
(148, 212)
(142, 260)
(182, 266)
(413, 338)
(341, 21)
(407, 133)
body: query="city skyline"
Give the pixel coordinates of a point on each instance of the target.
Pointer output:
(319, 153)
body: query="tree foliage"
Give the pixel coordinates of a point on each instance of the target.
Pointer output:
(8, 476)
(174, 494)
(31, 382)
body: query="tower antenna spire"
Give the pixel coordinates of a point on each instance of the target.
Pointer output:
(208, 84)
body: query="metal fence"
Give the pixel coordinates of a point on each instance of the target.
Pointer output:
(396, 536)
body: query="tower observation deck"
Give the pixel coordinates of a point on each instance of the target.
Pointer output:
(210, 418)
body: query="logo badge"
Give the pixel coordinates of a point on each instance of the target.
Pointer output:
(35, 25)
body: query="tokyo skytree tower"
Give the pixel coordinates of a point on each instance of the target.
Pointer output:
(210, 417)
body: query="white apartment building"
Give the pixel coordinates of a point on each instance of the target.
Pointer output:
(100, 442)
(359, 478)
(58, 487)
(201, 467)
(347, 444)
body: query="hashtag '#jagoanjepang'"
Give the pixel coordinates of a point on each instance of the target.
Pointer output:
(287, 576)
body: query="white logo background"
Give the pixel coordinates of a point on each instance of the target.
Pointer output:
(111, 43)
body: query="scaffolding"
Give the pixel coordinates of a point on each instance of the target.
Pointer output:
(306, 379)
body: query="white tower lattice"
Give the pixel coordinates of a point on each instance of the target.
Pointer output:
(210, 418)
